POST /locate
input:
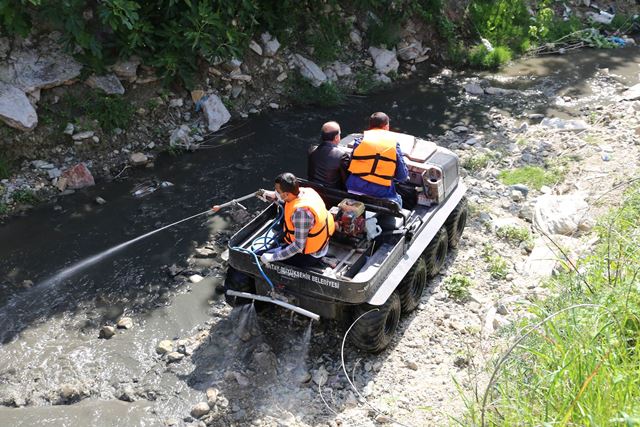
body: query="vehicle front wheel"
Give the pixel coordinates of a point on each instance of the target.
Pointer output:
(374, 331)
(411, 288)
(238, 281)
(436, 253)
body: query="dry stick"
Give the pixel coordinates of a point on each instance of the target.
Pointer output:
(125, 168)
(515, 344)
(325, 402)
(344, 369)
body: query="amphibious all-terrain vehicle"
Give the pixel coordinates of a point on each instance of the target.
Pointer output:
(380, 256)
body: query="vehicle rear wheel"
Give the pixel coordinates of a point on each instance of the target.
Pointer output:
(238, 281)
(436, 253)
(456, 222)
(411, 288)
(374, 331)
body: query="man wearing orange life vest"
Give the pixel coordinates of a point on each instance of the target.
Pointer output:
(307, 224)
(377, 161)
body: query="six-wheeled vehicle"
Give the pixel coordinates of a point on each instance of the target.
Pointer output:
(380, 257)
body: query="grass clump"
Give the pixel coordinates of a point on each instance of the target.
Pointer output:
(533, 176)
(497, 266)
(4, 209)
(301, 91)
(477, 162)
(514, 234)
(366, 82)
(579, 362)
(481, 57)
(5, 167)
(25, 197)
(457, 287)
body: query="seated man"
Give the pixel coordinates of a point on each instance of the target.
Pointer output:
(308, 225)
(327, 162)
(376, 161)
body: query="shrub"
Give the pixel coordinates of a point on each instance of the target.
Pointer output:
(366, 82)
(4, 209)
(532, 176)
(477, 162)
(457, 287)
(5, 167)
(480, 57)
(498, 267)
(301, 91)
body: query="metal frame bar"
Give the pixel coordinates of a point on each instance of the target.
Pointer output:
(283, 304)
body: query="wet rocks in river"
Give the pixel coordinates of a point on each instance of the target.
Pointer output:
(164, 346)
(200, 409)
(125, 323)
(107, 332)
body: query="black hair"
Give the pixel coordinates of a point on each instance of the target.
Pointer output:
(378, 120)
(288, 183)
(328, 136)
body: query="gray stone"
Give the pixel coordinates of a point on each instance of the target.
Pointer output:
(216, 112)
(270, 45)
(180, 137)
(176, 103)
(232, 65)
(107, 332)
(473, 89)
(320, 376)
(561, 125)
(255, 47)
(15, 108)
(68, 130)
(127, 394)
(409, 51)
(83, 135)
(100, 200)
(174, 356)
(109, 84)
(411, 365)
(164, 346)
(195, 278)
(42, 68)
(355, 37)
(310, 70)
(545, 256)
(125, 323)
(138, 159)
(199, 410)
(561, 214)
(127, 69)
(384, 60)
(54, 173)
(212, 396)
(205, 253)
(497, 91)
(341, 69)
(77, 177)
(521, 188)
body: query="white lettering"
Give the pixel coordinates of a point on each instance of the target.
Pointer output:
(295, 274)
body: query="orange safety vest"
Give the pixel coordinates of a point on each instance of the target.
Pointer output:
(323, 225)
(375, 159)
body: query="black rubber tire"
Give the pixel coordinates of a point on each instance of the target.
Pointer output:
(456, 222)
(374, 331)
(411, 288)
(238, 281)
(436, 253)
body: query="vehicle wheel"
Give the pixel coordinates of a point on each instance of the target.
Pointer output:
(411, 287)
(436, 253)
(373, 332)
(238, 281)
(456, 222)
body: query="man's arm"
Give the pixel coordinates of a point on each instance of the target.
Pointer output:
(302, 223)
(344, 168)
(402, 173)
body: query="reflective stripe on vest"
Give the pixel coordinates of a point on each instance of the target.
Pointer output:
(323, 225)
(375, 159)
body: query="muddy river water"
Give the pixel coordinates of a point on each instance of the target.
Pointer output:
(53, 368)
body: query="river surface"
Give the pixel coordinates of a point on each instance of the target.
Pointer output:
(49, 333)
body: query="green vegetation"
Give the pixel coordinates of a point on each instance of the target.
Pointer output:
(26, 197)
(110, 112)
(477, 162)
(514, 234)
(497, 265)
(457, 287)
(532, 176)
(5, 167)
(366, 82)
(578, 360)
(4, 209)
(302, 91)
(481, 57)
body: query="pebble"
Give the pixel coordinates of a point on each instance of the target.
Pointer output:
(212, 396)
(107, 332)
(164, 346)
(411, 365)
(195, 278)
(200, 409)
(125, 323)
(100, 200)
(174, 356)
(83, 135)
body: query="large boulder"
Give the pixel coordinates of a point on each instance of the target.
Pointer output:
(42, 68)
(561, 125)
(109, 84)
(78, 177)
(15, 108)
(561, 214)
(310, 70)
(384, 60)
(632, 93)
(217, 114)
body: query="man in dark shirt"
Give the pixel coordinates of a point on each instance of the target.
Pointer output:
(327, 162)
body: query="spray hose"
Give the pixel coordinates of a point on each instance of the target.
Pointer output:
(263, 243)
